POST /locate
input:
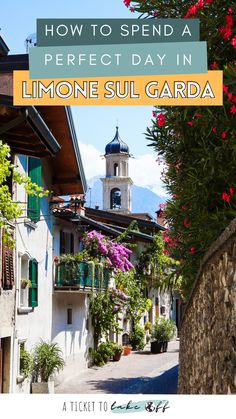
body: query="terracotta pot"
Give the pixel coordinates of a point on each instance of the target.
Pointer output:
(127, 350)
(117, 356)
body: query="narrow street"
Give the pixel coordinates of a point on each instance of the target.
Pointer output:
(139, 373)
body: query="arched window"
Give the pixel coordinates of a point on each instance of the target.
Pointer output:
(116, 169)
(115, 198)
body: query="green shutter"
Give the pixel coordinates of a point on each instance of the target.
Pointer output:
(33, 275)
(35, 173)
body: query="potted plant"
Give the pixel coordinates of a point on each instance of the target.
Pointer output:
(26, 282)
(168, 334)
(163, 331)
(117, 351)
(127, 349)
(137, 337)
(47, 360)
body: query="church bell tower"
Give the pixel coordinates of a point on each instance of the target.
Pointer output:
(117, 183)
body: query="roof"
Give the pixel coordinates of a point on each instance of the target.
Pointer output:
(66, 213)
(69, 177)
(123, 220)
(116, 146)
(43, 131)
(142, 215)
(26, 132)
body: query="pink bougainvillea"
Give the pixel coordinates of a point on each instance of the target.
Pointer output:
(115, 254)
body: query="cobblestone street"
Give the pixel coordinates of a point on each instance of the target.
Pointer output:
(139, 373)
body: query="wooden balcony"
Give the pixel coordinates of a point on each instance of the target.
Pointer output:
(80, 276)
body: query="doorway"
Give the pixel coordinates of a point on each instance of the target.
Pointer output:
(5, 351)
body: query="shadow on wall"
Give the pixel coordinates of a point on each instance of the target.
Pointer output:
(70, 337)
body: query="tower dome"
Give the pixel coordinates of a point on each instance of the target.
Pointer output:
(116, 146)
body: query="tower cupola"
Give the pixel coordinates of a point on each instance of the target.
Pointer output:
(116, 146)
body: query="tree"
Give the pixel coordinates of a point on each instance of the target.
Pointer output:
(198, 143)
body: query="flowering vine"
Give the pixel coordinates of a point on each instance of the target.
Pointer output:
(115, 254)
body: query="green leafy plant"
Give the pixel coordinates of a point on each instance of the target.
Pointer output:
(26, 362)
(163, 330)
(104, 311)
(105, 351)
(133, 286)
(137, 338)
(47, 360)
(25, 282)
(117, 348)
(148, 326)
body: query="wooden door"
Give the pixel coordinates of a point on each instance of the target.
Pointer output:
(1, 367)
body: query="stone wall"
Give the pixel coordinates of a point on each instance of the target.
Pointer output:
(208, 330)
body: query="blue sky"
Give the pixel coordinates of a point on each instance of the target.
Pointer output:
(95, 126)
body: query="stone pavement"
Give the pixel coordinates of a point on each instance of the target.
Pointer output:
(138, 373)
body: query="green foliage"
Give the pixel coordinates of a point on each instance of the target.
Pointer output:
(9, 210)
(155, 263)
(47, 360)
(133, 286)
(125, 235)
(104, 316)
(105, 351)
(163, 330)
(26, 362)
(148, 326)
(198, 143)
(137, 338)
(117, 348)
(25, 282)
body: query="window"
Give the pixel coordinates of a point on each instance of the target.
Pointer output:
(115, 169)
(33, 276)
(69, 316)
(35, 173)
(115, 198)
(66, 243)
(25, 282)
(7, 267)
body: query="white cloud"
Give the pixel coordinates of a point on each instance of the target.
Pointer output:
(144, 170)
(93, 162)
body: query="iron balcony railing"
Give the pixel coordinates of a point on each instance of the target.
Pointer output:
(81, 275)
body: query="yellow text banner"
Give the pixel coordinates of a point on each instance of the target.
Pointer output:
(179, 90)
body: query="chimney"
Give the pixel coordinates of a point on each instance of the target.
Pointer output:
(77, 204)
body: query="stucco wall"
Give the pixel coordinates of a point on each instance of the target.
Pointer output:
(36, 243)
(208, 331)
(76, 338)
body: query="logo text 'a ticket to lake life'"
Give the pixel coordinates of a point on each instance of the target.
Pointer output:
(140, 406)
(118, 62)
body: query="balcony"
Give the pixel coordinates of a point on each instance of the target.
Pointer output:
(80, 276)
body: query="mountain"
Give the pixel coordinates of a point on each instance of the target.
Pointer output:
(143, 199)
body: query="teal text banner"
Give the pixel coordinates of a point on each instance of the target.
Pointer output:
(66, 32)
(118, 60)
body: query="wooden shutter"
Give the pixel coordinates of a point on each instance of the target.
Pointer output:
(33, 276)
(7, 267)
(35, 173)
